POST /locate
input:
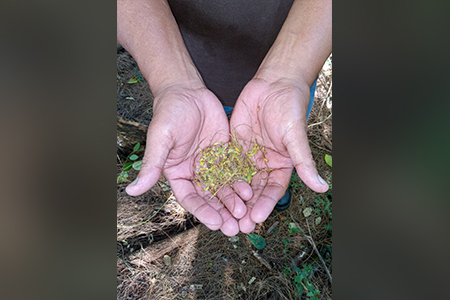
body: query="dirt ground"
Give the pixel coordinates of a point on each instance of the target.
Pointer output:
(163, 252)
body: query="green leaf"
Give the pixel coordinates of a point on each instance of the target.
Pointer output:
(329, 160)
(310, 288)
(134, 157)
(137, 165)
(127, 166)
(122, 177)
(136, 148)
(258, 241)
(133, 80)
(298, 284)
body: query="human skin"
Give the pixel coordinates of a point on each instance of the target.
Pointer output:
(186, 115)
(273, 106)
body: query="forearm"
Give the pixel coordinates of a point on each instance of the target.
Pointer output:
(149, 32)
(303, 44)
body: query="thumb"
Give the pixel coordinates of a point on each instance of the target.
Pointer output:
(297, 146)
(156, 152)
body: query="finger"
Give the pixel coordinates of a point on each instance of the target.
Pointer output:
(244, 190)
(230, 225)
(189, 199)
(273, 191)
(297, 146)
(246, 224)
(232, 202)
(156, 152)
(259, 181)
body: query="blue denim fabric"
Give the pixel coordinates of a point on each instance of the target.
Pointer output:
(228, 109)
(312, 91)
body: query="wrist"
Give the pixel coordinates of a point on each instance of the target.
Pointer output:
(283, 62)
(194, 94)
(176, 72)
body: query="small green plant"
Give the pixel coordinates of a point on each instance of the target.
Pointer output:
(301, 279)
(293, 228)
(323, 207)
(258, 241)
(130, 163)
(295, 181)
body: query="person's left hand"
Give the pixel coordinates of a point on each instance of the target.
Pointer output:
(275, 114)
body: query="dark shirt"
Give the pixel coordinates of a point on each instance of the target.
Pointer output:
(228, 39)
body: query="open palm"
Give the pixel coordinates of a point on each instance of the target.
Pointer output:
(185, 120)
(275, 114)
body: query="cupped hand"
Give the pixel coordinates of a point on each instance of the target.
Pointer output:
(184, 120)
(275, 114)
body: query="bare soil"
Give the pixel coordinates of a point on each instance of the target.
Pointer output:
(163, 252)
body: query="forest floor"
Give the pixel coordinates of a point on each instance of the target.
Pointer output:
(163, 252)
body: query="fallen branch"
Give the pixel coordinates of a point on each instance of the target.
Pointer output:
(261, 260)
(157, 250)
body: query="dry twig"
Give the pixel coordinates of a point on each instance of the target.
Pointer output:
(311, 241)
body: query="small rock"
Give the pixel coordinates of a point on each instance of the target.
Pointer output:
(196, 287)
(234, 239)
(307, 211)
(166, 187)
(167, 260)
(243, 287)
(318, 220)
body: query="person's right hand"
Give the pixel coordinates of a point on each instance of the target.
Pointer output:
(184, 120)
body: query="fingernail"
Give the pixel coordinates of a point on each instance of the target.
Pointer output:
(134, 182)
(321, 180)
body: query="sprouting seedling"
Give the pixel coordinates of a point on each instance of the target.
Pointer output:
(224, 164)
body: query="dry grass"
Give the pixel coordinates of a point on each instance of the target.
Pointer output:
(206, 264)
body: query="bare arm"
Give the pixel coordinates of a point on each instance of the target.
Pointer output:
(303, 44)
(148, 30)
(186, 115)
(274, 104)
